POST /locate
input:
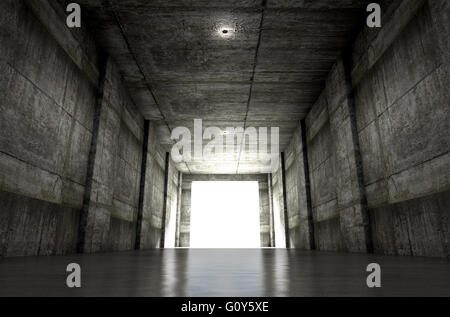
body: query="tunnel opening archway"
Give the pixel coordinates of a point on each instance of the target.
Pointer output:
(225, 214)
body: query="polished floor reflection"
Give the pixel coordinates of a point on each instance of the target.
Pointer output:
(224, 272)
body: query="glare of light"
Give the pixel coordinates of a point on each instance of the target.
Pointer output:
(280, 236)
(225, 31)
(170, 231)
(225, 215)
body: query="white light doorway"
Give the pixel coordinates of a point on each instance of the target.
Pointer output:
(225, 214)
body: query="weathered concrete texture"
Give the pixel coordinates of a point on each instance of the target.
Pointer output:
(402, 163)
(271, 211)
(172, 200)
(178, 210)
(278, 203)
(30, 226)
(440, 14)
(179, 66)
(403, 126)
(321, 161)
(126, 185)
(350, 194)
(264, 213)
(78, 43)
(377, 136)
(154, 193)
(185, 215)
(297, 207)
(417, 227)
(115, 189)
(43, 124)
(46, 107)
(372, 43)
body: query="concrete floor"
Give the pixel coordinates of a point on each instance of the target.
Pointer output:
(229, 272)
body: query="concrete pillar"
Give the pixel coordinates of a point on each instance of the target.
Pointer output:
(185, 215)
(264, 213)
(271, 219)
(298, 192)
(108, 217)
(307, 187)
(164, 215)
(86, 211)
(178, 219)
(285, 210)
(142, 185)
(351, 196)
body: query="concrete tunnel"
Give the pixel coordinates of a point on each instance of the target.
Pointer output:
(342, 128)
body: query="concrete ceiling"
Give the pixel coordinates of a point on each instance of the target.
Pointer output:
(268, 70)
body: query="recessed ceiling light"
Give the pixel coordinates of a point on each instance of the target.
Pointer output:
(225, 31)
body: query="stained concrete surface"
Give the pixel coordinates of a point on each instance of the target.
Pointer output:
(285, 62)
(178, 66)
(227, 272)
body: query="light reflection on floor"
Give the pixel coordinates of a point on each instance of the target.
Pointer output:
(224, 272)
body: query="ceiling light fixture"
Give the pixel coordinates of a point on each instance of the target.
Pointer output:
(225, 31)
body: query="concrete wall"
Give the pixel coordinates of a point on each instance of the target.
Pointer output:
(171, 203)
(46, 110)
(296, 194)
(278, 203)
(111, 224)
(321, 158)
(403, 124)
(264, 213)
(379, 153)
(154, 193)
(185, 213)
(49, 83)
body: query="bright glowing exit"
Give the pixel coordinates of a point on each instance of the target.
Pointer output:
(225, 215)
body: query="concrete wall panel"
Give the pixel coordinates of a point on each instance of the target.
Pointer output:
(402, 124)
(47, 103)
